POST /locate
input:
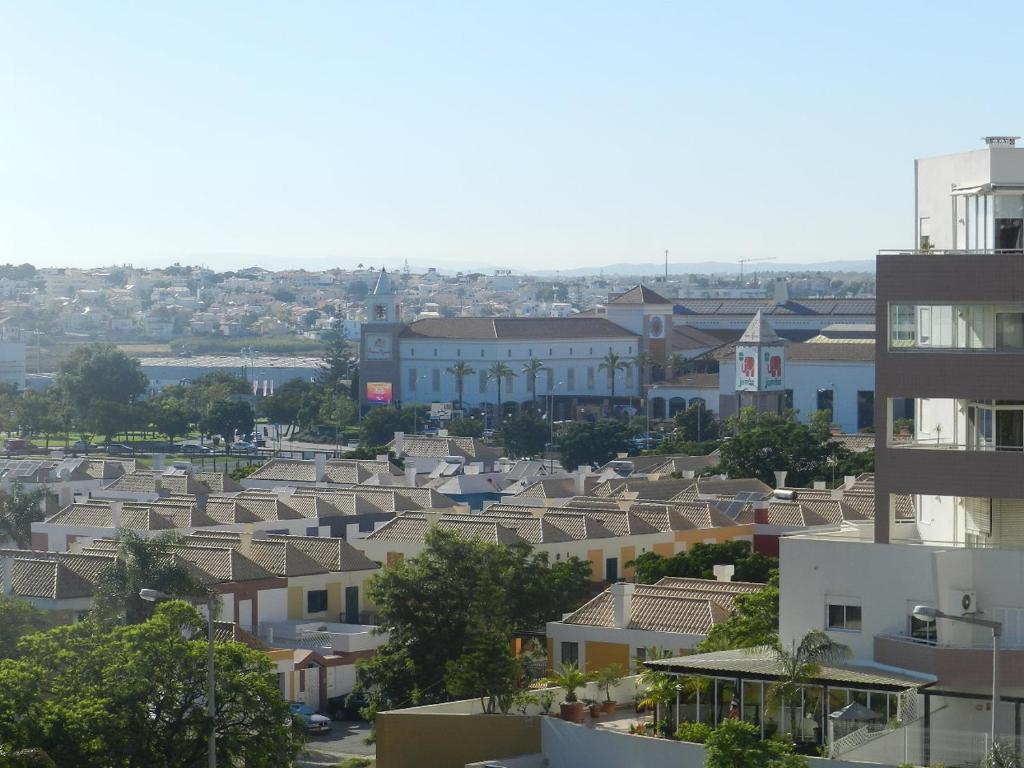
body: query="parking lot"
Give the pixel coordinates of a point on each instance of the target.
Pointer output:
(344, 740)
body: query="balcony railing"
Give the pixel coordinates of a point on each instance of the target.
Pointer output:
(937, 443)
(950, 251)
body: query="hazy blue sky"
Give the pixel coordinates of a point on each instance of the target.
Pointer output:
(515, 135)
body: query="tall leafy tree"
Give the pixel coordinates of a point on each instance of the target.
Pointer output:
(612, 363)
(38, 412)
(738, 744)
(753, 622)
(339, 363)
(17, 619)
(460, 370)
(224, 417)
(643, 361)
(497, 373)
(172, 416)
(380, 424)
(141, 564)
(593, 443)
(532, 369)
(801, 662)
(101, 383)
(479, 588)
(698, 562)
(523, 435)
(134, 697)
(18, 510)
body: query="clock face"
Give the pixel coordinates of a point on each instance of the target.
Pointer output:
(656, 327)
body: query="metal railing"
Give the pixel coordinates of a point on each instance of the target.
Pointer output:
(949, 251)
(937, 443)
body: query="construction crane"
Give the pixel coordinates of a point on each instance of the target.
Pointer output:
(748, 261)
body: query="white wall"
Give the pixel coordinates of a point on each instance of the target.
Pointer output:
(272, 604)
(560, 355)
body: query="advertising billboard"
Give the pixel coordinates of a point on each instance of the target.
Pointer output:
(772, 373)
(746, 369)
(378, 347)
(378, 392)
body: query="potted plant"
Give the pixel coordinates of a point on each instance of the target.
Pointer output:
(609, 678)
(570, 679)
(546, 699)
(594, 706)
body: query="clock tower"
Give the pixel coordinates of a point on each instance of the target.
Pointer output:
(378, 345)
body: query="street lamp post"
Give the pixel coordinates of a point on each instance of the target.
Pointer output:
(929, 614)
(551, 423)
(155, 596)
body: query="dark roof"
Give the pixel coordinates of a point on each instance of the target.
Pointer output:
(697, 380)
(639, 294)
(539, 328)
(688, 337)
(772, 307)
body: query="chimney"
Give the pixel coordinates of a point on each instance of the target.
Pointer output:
(849, 481)
(320, 466)
(761, 512)
(724, 572)
(158, 461)
(245, 541)
(819, 485)
(780, 291)
(689, 474)
(410, 473)
(65, 497)
(580, 481)
(115, 514)
(622, 602)
(442, 433)
(382, 457)
(399, 443)
(780, 478)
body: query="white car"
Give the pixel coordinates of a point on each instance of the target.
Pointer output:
(243, 446)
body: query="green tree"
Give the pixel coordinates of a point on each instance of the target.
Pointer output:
(487, 670)
(676, 363)
(172, 416)
(738, 744)
(593, 443)
(498, 372)
(339, 363)
(765, 442)
(380, 424)
(460, 370)
(523, 435)
(476, 586)
(18, 510)
(100, 383)
(465, 428)
(134, 696)
(696, 424)
(213, 387)
(141, 564)
(754, 622)
(698, 562)
(612, 363)
(224, 417)
(37, 412)
(531, 369)
(17, 619)
(643, 361)
(284, 405)
(800, 664)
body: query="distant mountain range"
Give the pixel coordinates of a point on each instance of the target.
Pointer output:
(709, 268)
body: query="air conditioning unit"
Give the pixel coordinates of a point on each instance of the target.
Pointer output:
(963, 601)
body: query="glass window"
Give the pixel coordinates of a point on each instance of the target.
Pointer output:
(1009, 330)
(922, 631)
(570, 379)
(412, 379)
(316, 601)
(570, 653)
(435, 376)
(902, 330)
(843, 616)
(590, 378)
(865, 409)
(825, 400)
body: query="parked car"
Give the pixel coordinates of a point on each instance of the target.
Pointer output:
(118, 449)
(346, 707)
(243, 446)
(81, 445)
(312, 721)
(194, 449)
(18, 445)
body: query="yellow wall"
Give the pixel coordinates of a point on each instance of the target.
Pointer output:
(665, 549)
(408, 740)
(600, 655)
(334, 598)
(596, 558)
(625, 555)
(296, 603)
(394, 557)
(720, 535)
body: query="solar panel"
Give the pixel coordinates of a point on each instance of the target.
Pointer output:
(750, 496)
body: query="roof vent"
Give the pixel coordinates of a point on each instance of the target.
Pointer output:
(1000, 141)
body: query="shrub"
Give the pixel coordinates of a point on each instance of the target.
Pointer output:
(694, 732)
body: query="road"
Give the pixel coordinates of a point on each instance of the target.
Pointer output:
(344, 740)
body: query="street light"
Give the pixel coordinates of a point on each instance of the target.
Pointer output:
(929, 614)
(155, 596)
(551, 423)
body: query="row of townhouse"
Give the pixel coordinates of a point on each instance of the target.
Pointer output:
(303, 597)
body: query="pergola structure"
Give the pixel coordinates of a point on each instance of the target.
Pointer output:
(735, 683)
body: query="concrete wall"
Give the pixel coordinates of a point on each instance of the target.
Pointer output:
(409, 739)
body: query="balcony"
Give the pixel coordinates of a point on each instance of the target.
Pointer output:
(959, 667)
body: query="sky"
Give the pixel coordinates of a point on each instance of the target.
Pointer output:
(522, 135)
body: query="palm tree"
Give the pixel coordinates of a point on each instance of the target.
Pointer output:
(612, 362)
(18, 510)
(643, 362)
(142, 564)
(460, 370)
(496, 373)
(531, 368)
(800, 663)
(676, 363)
